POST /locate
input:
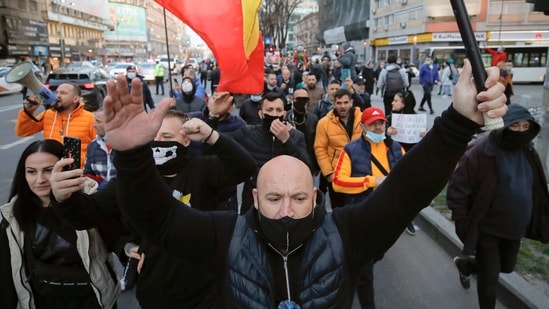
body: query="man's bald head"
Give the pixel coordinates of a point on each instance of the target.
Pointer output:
(284, 166)
(284, 188)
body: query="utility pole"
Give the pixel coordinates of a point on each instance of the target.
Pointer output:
(118, 22)
(61, 33)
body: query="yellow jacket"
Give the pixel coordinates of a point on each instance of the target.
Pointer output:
(330, 139)
(55, 125)
(357, 178)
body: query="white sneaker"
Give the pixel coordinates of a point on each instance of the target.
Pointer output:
(445, 97)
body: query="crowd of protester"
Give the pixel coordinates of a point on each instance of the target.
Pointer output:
(153, 183)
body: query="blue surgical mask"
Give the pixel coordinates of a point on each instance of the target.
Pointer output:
(374, 137)
(256, 98)
(131, 75)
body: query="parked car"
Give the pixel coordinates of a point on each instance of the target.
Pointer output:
(5, 87)
(92, 83)
(120, 68)
(147, 70)
(80, 64)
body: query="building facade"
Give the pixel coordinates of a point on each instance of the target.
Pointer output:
(305, 33)
(36, 29)
(411, 29)
(52, 32)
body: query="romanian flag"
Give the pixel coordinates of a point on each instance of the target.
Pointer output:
(231, 30)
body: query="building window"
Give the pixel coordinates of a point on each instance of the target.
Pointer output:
(509, 7)
(22, 5)
(33, 6)
(401, 17)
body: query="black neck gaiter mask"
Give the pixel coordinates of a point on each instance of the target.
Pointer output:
(514, 139)
(268, 119)
(169, 156)
(286, 234)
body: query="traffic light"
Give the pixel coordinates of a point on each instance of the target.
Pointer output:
(540, 6)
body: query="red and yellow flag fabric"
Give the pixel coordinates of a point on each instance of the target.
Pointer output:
(231, 30)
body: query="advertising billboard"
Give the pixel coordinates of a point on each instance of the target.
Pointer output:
(130, 23)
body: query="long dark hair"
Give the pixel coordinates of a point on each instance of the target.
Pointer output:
(27, 201)
(409, 102)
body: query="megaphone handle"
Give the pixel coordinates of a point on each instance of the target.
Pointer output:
(31, 115)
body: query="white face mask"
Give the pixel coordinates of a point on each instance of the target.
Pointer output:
(187, 87)
(131, 75)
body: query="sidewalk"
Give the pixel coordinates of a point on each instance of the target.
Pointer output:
(513, 290)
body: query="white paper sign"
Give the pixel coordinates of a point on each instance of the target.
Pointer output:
(408, 126)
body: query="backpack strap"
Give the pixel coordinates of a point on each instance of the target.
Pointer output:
(379, 166)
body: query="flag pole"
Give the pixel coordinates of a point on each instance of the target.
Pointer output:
(472, 52)
(168, 53)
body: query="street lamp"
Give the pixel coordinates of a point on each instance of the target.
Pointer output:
(414, 54)
(118, 36)
(60, 29)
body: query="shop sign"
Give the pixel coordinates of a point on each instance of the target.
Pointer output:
(25, 31)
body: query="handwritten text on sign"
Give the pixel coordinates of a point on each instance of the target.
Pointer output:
(408, 127)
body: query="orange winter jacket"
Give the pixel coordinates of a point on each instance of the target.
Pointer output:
(330, 139)
(55, 125)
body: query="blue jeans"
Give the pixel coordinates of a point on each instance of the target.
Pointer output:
(447, 90)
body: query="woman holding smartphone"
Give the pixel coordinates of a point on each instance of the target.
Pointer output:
(45, 263)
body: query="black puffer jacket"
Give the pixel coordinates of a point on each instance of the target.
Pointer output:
(256, 277)
(263, 146)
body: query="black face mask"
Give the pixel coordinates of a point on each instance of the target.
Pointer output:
(268, 119)
(514, 139)
(286, 234)
(300, 105)
(169, 157)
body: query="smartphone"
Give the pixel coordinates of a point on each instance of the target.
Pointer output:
(71, 149)
(175, 81)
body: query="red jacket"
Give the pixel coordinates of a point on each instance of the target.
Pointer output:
(497, 57)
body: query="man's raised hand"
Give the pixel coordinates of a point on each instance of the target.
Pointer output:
(470, 104)
(127, 125)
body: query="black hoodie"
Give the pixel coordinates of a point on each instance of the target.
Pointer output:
(505, 218)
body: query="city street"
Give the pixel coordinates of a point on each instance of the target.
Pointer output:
(415, 273)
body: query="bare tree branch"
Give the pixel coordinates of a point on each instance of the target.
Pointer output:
(274, 18)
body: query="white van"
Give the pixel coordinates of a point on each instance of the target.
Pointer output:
(174, 63)
(195, 62)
